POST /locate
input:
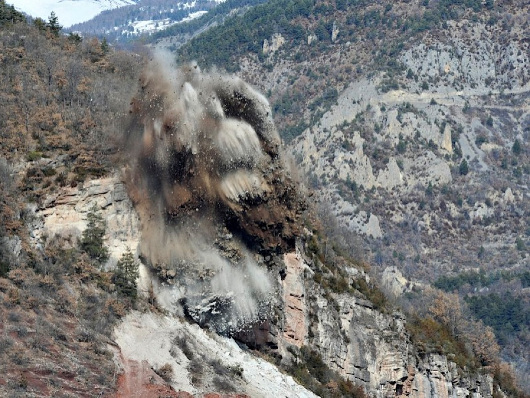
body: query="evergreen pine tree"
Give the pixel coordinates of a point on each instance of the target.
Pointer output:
(40, 24)
(464, 167)
(105, 45)
(92, 239)
(126, 274)
(516, 148)
(53, 24)
(8, 14)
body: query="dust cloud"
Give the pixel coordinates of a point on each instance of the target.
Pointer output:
(206, 174)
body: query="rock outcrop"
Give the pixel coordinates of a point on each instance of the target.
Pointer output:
(64, 214)
(372, 348)
(277, 40)
(366, 346)
(295, 310)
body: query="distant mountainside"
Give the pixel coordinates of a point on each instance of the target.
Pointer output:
(145, 17)
(127, 20)
(411, 120)
(179, 34)
(69, 12)
(165, 22)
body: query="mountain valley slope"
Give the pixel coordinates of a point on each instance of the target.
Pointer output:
(331, 327)
(414, 132)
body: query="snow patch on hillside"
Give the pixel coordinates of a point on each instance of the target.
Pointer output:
(152, 26)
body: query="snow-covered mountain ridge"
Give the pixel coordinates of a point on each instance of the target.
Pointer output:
(70, 12)
(144, 17)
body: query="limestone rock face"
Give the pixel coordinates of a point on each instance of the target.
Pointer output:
(277, 40)
(13, 245)
(391, 176)
(365, 346)
(480, 211)
(372, 227)
(334, 32)
(64, 214)
(446, 142)
(373, 349)
(431, 169)
(393, 281)
(455, 60)
(294, 298)
(508, 196)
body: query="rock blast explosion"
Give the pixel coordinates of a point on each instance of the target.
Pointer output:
(216, 201)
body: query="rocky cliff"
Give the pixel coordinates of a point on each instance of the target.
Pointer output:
(64, 214)
(363, 344)
(418, 143)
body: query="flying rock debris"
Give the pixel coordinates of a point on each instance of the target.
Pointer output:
(207, 176)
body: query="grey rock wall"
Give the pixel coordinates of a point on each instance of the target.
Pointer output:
(372, 348)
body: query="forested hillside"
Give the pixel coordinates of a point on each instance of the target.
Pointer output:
(363, 21)
(411, 121)
(60, 96)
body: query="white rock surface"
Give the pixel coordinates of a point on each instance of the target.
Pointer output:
(64, 214)
(393, 281)
(150, 337)
(277, 40)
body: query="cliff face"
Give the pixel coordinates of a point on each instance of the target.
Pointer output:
(364, 345)
(355, 339)
(64, 214)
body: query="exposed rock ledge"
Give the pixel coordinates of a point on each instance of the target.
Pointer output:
(371, 348)
(64, 214)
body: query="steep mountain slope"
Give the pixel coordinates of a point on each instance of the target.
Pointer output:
(414, 131)
(202, 193)
(61, 100)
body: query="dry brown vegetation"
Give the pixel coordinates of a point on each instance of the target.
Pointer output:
(58, 312)
(61, 101)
